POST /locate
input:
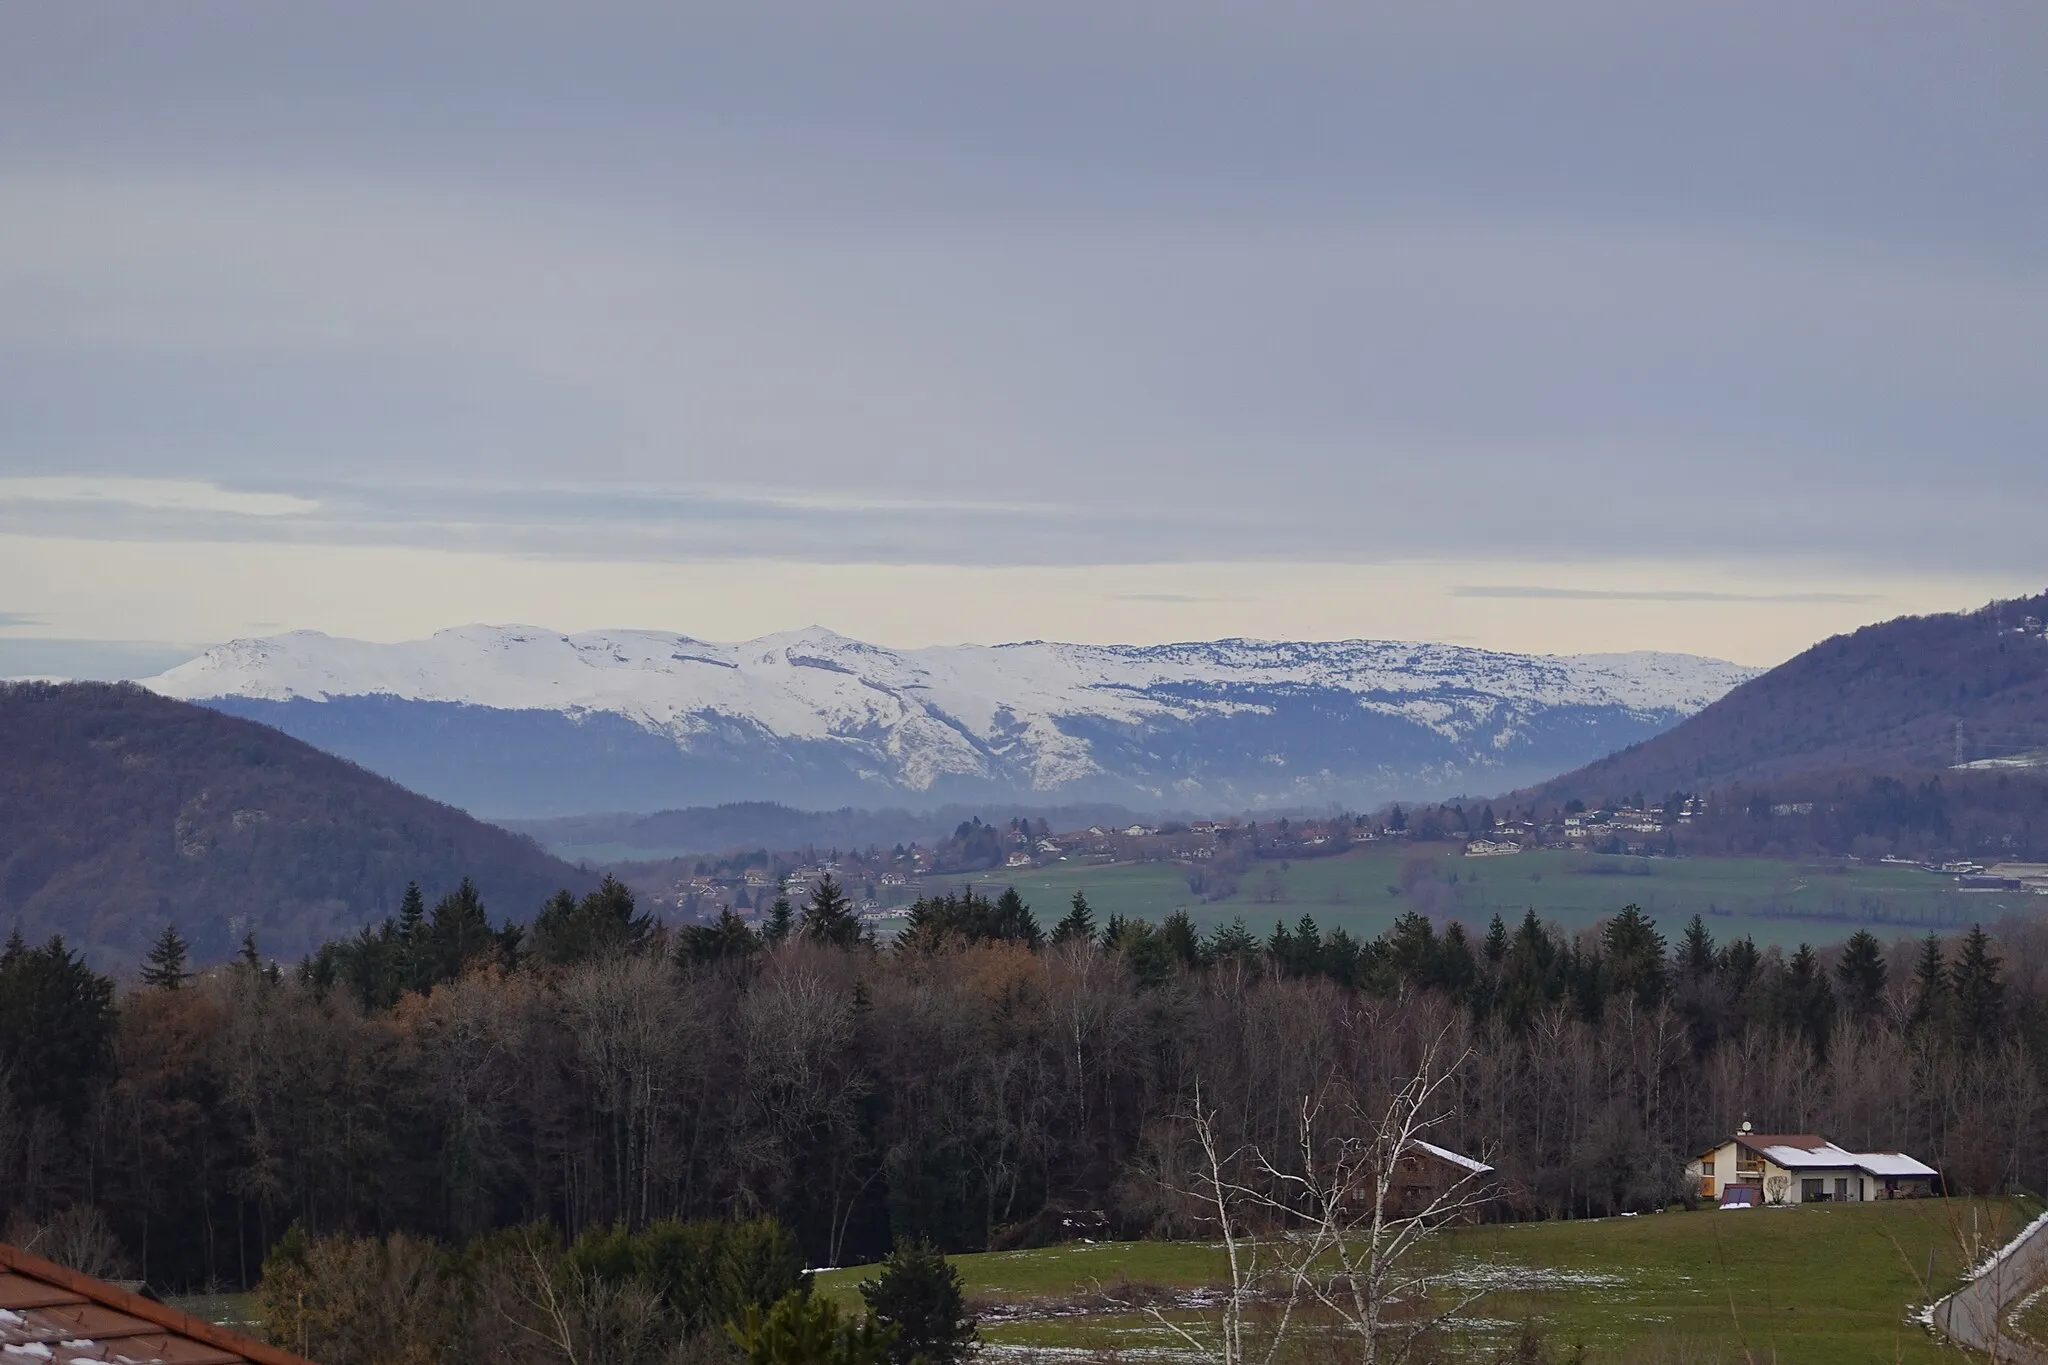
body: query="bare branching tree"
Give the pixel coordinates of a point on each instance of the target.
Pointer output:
(1328, 1233)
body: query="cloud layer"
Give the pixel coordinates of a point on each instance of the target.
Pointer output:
(1037, 286)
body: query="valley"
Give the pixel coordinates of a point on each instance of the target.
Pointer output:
(1774, 901)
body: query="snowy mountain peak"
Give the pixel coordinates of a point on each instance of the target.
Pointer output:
(817, 717)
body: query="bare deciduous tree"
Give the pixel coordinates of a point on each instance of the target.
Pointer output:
(1328, 1232)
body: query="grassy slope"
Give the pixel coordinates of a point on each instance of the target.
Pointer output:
(1826, 1285)
(1774, 900)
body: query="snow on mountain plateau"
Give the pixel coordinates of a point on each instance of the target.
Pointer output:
(814, 712)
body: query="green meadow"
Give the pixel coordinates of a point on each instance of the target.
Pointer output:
(1817, 1285)
(1362, 892)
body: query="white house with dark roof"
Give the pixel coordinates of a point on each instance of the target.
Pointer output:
(1804, 1168)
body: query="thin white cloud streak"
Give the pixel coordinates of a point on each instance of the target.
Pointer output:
(142, 590)
(694, 291)
(1646, 385)
(161, 495)
(1539, 593)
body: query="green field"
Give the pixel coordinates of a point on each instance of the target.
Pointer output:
(1821, 1285)
(1363, 892)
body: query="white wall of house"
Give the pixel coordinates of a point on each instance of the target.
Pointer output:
(1732, 1164)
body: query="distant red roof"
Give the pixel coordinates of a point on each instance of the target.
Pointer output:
(49, 1313)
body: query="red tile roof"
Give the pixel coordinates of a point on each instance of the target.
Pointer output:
(51, 1314)
(1803, 1141)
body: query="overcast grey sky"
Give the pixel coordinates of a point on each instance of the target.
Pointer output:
(1580, 325)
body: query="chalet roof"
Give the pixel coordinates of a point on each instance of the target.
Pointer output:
(1455, 1158)
(1807, 1156)
(52, 1315)
(1893, 1163)
(1811, 1151)
(1757, 1142)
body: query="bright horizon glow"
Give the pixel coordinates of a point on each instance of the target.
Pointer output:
(137, 590)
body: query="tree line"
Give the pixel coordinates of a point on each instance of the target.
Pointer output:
(978, 1081)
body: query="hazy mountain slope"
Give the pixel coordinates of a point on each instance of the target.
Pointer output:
(518, 721)
(1906, 695)
(121, 810)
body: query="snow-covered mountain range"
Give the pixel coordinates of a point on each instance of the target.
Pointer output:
(512, 720)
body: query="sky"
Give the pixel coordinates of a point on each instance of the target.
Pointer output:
(1582, 326)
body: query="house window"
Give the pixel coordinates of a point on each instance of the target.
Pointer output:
(1812, 1188)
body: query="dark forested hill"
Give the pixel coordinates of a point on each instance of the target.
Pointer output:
(1909, 695)
(121, 810)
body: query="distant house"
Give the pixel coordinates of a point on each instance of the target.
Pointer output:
(1804, 1168)
(1426, 1173)
(1491, 848)
(1137, 832)
(53, 1316)
(1017, 860)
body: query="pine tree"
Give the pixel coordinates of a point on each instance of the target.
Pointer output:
(919, 1294)
(410, 940)
(1232, 941)
(1179, 935)
(1806, 1005)
(1496, 940)
(167, 957)
(728, 940)
(603, 924)
(458, 934)
(1456, 969)
(1696, 951)
(1077, 924)
(829, 917)
(1411, 946)
(1979, 994)
(1011, 920)
(1739, 964)
(1635, 955)
(1930, 982)
(1308, 937)
(1345, 959)
(807, 1329)
(1861, 972)
(1113, 931)
(56, 1027)
(412, 911)
(781, 920)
